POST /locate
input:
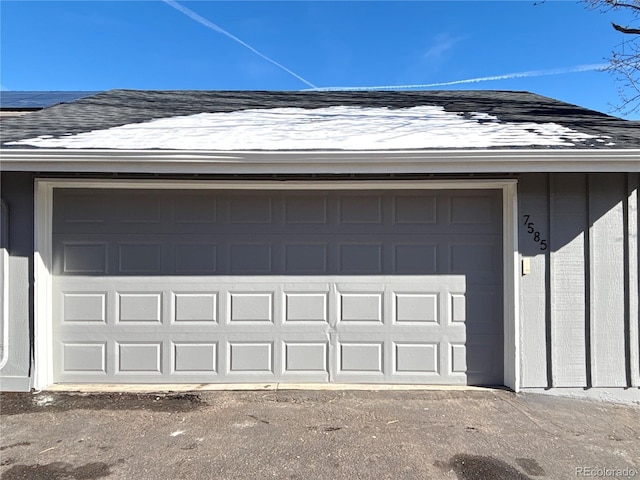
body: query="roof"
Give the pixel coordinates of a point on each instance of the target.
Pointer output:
(347, 121)
(36, 100)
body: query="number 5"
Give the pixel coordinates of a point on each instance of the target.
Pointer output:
(530, 228)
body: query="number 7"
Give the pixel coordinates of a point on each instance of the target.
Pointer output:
(526, 218)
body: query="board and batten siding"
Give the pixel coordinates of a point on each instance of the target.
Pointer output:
(579, 303)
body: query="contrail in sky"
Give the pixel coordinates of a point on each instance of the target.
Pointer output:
(194, 16)
(508, 76)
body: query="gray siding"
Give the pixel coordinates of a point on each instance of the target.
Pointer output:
(579, 303)
(17, 192)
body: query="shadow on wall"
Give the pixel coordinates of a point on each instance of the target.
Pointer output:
(17, 195)
(4, 282)
(561, 209)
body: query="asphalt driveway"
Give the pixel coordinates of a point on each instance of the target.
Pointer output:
(316, 435)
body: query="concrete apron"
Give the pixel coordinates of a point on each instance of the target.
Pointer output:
(205, 387)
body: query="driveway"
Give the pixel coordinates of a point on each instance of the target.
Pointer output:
(472, 434)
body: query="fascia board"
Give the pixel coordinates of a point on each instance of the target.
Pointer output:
(331, 162)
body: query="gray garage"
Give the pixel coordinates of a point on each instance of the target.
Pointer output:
(394, 286)
(436, 237)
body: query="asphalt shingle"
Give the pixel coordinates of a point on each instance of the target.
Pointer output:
(122, 107)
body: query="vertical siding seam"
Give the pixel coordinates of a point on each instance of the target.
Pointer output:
(632, 286)
(549, 287)
(636, 252)
(590, 355)
(627, 283)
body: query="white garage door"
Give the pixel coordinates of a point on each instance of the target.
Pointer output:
(211, 286)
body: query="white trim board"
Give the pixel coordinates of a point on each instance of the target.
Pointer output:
(43, 367)
(14, 384)
(330, 162)
(4, 308)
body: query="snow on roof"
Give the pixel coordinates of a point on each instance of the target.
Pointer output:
(328, 128)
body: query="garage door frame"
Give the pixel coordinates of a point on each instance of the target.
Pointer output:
(42, 375)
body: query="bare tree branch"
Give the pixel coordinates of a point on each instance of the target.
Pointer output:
(620, 28)
(624, 62)
(616, 4)
(613, 5)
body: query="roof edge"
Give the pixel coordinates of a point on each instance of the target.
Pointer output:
(291, 162)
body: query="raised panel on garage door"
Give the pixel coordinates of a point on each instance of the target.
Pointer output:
(213, 286)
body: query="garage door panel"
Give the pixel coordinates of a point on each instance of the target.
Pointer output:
(306, 307)
(359, 208)
(251, 209)
(416, 357)
(417, 209)
(457, 360)
(250, 259)
(81, 206)
(360, 307)
(415, 258)
(305, 209)
(420, 308)
(196, 258)
(139, 258)
(211, 286)
(250, 356)
(475, 211)
(194, 208)
(484, 360)
(306, 258)
(84, 307)
(458, 306)
(84, 357)
(251, 307)
(360, 258)
(302, 356)
(194, 357)
(136, 207)
(139, 357)
(480, 261)
(490, 304)
(195, 307)
(470, 210)
(360, 355)
(139, 307)
(82, 258)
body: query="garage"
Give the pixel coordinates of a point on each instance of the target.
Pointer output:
(310, 285)
(297, 238)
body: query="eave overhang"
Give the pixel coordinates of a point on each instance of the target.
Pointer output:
(320, 162)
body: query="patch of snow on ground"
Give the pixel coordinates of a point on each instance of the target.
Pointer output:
(330, 128)
(43, 400)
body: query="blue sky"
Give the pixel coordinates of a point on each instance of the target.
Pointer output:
(99, 45)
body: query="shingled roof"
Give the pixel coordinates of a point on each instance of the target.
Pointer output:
(575, 127)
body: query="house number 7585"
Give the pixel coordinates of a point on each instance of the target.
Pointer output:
(534, 233)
